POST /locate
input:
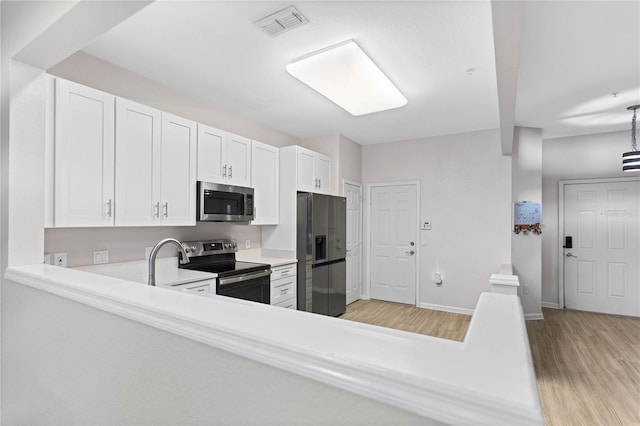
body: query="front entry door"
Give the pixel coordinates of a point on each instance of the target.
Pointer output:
(601, 269)
(393, 242)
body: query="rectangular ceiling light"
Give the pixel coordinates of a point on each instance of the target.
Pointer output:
(348, 77)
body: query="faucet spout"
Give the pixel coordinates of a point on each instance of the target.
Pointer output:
(154, 252)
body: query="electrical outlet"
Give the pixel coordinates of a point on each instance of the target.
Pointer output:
(60, 259)
(100, 256)
(47, 259)
(247, 243)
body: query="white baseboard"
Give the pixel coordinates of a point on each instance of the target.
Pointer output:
(445, 308)
(530, 317)
(550, 305)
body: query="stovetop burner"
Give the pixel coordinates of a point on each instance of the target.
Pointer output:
(218, 256)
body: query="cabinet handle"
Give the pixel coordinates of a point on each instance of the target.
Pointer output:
(224, 171)
(230, 172)
(166, 209)
(319, 182)
(284, 290)
(156, 206)
(109, 204)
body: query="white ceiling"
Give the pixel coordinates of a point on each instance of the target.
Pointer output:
(573, 55)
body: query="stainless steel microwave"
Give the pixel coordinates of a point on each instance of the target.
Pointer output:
(224, 203)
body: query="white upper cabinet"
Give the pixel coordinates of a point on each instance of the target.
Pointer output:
(83, 156)
(212, 144)
(322, 169)
(264, 179)
(155, 167)
(223, 157)
(238, 160)
(137, 164)
(178, 171)
(313, 171)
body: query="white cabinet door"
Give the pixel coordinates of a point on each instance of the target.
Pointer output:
(83, 156)
(314, 171)
(322, 171)
(265, 182)
(238, 160)
(306, 177)
(137, 164)
(178, 171)
(212, 154)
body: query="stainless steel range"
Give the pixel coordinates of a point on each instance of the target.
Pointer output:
(242, 280)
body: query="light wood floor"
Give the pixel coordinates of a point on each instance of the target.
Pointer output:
(587, 365)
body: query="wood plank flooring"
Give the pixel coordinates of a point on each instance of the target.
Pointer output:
(587, 365)
(409, 318)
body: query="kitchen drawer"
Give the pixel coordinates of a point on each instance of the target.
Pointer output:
(198, 289)
(282, 289)
(288, 304)
(205, 286)
(283, 271)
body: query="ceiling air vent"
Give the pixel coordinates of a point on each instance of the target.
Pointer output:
(281, 21)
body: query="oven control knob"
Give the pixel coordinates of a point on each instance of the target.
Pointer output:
(234, 245)
(227, 245)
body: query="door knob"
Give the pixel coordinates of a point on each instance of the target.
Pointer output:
(410, 252)
(571, 255)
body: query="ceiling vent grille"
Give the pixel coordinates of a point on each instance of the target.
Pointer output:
(281, 21)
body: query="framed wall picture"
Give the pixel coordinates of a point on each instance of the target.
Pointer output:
(526, 218)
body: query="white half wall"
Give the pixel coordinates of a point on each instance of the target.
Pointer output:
(465, 185)
(67, 363)
(577, 157)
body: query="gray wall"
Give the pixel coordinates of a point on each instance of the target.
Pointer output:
(466, 195)
(526, 250)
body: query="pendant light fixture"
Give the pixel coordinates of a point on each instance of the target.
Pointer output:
(631, 159)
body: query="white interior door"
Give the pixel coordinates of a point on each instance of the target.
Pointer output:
(353, 194)
(601, 270)
(393, 237)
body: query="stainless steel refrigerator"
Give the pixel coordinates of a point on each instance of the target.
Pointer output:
(321, 251)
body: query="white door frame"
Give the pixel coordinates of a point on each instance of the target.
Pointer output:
(370, 186)
(359, 185)
(561, 185)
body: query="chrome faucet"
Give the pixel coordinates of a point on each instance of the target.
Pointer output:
(154, 253)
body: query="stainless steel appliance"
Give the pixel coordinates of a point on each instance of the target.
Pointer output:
(224, 203)
(242, 280)
(321, 252)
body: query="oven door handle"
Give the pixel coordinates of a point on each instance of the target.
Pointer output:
(241, 278)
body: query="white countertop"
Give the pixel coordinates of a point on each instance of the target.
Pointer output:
(487, 379)
(167, 272)
(265, 256)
